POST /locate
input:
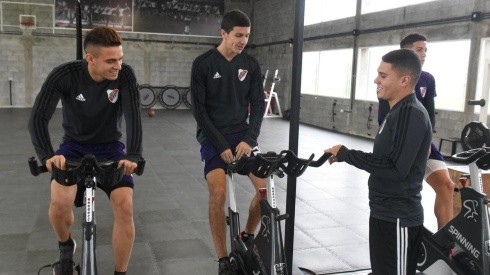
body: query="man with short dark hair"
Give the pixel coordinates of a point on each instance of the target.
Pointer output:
(224, 83)
(396, 167)
(95, 94)
(436, 173)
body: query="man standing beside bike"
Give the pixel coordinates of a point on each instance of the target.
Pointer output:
(224, 83)
(436, 173)
(396, 166)
(95, 94)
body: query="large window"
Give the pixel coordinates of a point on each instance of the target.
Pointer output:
(367, 71)
(447, 61)
(482, 88)
(327, 73)
(317, 11)
(369, 6)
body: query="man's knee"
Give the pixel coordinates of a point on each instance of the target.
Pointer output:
(258, 182)
(59, 206)
(448, 185)
(62, 197)
(216, 180)
(441, 181)
(122, 203)
(217, 196)
(124, 208)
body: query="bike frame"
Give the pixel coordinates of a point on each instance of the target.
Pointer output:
(88, 170)
(266, 255)
(267, 249)
(461, 230)
(273, 256)
(477, 184)
(88, 265)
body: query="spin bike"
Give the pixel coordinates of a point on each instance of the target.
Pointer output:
(264, 255)
(88, 171)
(469, 230)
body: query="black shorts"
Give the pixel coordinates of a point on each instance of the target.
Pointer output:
(211, 157)
(107, 151)
(393, 248)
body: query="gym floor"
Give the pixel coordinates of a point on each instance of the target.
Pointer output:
(170, 202)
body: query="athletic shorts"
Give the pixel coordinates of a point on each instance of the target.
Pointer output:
(211, 157)
(393, 249)
(434, 153)
(434, 165)
(107, 151)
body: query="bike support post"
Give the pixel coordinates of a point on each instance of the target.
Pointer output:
(79, 31)
(299, 14)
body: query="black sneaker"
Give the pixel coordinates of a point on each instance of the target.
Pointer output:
(65, 263)
(225, 267)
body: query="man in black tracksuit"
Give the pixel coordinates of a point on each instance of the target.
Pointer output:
(225, 82)
(95, 94)
(397, 166)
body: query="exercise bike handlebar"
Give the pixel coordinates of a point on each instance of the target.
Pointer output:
(106, 171)
(469, 156)
(319, 162)
(263, 165)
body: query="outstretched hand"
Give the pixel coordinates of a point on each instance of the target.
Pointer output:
(334, 150)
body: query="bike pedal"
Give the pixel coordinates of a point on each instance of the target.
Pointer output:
(282, 217)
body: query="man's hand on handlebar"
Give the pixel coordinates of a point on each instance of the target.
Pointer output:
(129, 166)
(56, 160)
(227, 156)
(242, 149)
(334, 151)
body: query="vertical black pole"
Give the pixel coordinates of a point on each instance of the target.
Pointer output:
(355, 54)
(10, 91)
(299, 14)
(79, 31)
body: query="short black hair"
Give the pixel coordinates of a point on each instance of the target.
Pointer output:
(235, 18)
(102, 37)
(404, 61)
(408, 41)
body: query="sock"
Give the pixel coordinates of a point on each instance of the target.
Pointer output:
(245, 236)
(119, 273)
(67, 242)
(223, 259)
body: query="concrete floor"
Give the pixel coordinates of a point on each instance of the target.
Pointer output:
(170, 202)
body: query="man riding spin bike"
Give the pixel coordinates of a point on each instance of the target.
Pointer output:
(95, 93)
